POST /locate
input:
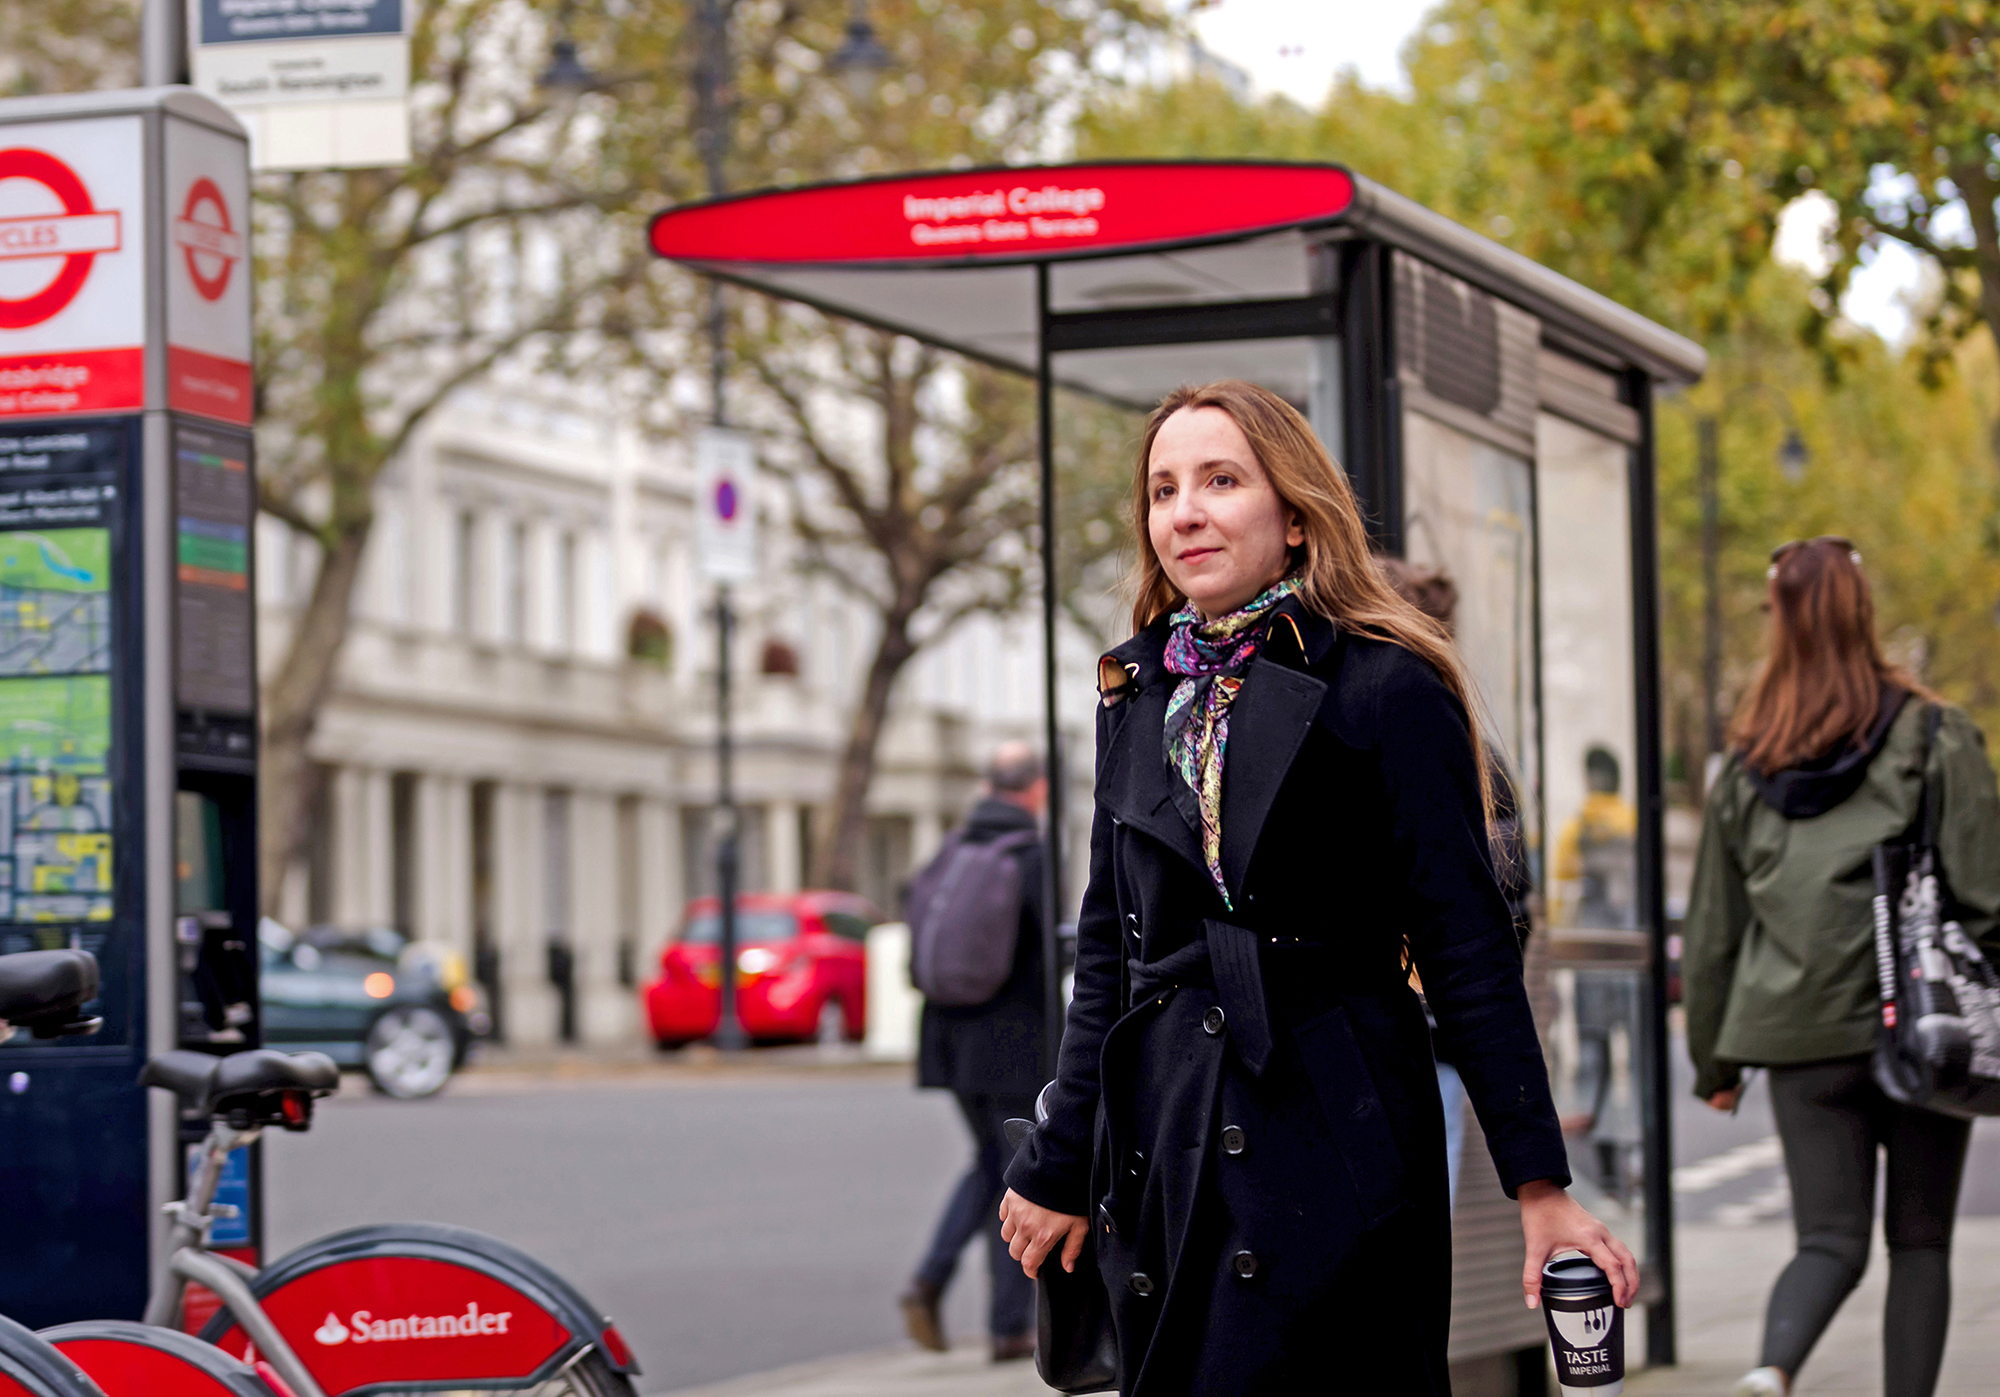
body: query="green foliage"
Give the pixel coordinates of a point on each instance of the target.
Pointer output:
(1899, 469)
(68, 45)
(1643, 151)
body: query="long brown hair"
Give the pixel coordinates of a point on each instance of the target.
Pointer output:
(1337, 572)
(1820, 689)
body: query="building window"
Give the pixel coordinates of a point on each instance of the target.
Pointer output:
(403, 851)
(514, 585)
(628, 891)
(463, 571)
(565, 599)
(555, 876)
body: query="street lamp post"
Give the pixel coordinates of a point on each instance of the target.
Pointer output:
(1793, 457)
(861, 62)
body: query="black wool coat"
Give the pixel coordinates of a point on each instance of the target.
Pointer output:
(995, 1048)
(1247, 1106)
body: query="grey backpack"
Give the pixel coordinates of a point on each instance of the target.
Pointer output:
(965, 918)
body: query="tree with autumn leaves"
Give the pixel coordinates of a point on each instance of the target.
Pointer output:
(513, 242)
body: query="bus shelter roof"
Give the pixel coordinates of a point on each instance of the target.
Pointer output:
(951, 257)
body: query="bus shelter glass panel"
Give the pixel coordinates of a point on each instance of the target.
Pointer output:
(1597, 948)
(1303, 370)
(1468, 511)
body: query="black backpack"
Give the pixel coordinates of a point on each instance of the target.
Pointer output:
(965, 918)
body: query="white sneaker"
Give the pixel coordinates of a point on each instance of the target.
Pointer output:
(1761, 1382)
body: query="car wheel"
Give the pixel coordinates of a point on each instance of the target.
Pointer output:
(832, 1030)
(410, 1051)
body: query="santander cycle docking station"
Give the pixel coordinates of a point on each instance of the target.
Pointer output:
(1495, 419)
(128, 702)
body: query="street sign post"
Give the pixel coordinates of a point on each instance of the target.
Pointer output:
(127, 660)
(320, 84)
(725, 539)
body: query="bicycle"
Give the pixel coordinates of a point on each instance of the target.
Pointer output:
(385, 1308)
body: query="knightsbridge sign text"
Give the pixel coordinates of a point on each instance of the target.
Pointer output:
(1003, 215)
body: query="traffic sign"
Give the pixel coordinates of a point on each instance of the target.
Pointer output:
(319, 83)
(725, 535)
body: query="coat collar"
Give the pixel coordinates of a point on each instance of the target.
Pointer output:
(1272, 715)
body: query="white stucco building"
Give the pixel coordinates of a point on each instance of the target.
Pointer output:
(499, 775)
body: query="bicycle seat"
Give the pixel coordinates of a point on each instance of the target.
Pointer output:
(258, 1087)
(43, 991)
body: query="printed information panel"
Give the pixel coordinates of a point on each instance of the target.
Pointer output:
(58, 497)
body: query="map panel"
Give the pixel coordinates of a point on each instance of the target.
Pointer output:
(55, 603)
(55, 799)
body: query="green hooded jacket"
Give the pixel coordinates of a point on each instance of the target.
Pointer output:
(1778, 960)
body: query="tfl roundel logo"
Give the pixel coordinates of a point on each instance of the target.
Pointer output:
(50, 235)
(208, 239)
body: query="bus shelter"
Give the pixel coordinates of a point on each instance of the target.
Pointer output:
(1496, 420)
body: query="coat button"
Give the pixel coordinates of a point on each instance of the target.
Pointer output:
(1232, 1139)
(1104, 1219)
(1141, 1284)
(1244, 1264)
(1211, 1022)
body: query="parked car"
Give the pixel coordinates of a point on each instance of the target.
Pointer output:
(404, 1012)
(801, 969)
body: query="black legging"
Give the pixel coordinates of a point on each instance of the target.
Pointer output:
(1832, 1117)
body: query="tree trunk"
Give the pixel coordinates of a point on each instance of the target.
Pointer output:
(1979, 192)
(839, 860)
(292, 702)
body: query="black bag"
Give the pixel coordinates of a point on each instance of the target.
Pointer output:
(965, 918)
(1076, 1349)
(1939, 1043)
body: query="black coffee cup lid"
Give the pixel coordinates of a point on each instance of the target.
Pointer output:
(1574, 1276)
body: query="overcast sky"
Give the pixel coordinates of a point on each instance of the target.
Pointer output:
(1296, 46)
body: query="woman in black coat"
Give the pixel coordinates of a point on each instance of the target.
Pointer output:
(1290, 809)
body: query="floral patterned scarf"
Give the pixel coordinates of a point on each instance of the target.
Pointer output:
(1210, 657)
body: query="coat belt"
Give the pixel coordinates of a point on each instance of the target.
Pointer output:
(1224, 959)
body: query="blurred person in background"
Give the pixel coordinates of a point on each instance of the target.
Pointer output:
(1431, 591)
(1829, 760)
(1292, 811)
(988, 1055)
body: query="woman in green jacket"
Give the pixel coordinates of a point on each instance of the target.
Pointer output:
(1830, 759)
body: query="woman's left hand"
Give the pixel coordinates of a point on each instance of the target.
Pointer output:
(1552, 1221)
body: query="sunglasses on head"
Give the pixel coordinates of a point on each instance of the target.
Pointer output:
(1785, 550)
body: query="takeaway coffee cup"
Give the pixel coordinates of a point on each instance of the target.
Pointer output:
(1586, 1329)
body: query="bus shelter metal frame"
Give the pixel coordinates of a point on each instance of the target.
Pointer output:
(1357, 306)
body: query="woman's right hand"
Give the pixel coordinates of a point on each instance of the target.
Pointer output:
(1725, 1100)
(1032, 1231)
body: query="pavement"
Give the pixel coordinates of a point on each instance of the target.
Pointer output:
(1726, 1273)
(748, 1220)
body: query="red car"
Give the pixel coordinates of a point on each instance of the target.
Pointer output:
(801, 969)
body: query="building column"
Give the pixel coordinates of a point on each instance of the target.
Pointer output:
(443, 861)
(529, 1001)
(660, 883)
(362, 894)
(603, 1006)
(782, 855)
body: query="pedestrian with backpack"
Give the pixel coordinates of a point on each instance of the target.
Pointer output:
(1840, 757)
(975, 915)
